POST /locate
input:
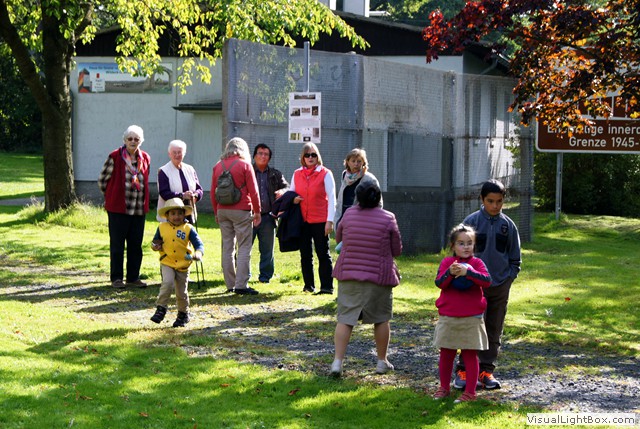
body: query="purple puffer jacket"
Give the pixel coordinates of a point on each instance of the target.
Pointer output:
(370, 239)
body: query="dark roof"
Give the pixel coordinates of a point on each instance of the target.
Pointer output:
(385, 38)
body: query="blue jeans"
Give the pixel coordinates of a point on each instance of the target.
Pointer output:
(266, 233)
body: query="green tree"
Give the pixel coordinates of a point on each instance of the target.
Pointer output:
(20, 120)
(42, 36)
(416, 12)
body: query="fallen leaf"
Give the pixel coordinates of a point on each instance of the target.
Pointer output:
(225, 385)
(293, 392)
(567, 299)
(143, 414)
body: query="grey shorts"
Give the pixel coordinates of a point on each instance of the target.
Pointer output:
(364, 301)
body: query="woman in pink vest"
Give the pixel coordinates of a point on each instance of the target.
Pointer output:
(316, 191)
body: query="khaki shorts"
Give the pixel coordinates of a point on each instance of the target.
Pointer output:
(364, 301)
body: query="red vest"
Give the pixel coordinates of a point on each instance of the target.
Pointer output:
(315, 203)
(114, 200)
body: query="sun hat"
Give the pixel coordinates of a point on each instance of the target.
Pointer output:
(174, 203)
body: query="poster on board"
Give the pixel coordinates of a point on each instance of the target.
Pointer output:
(304, 117)
(96, 78)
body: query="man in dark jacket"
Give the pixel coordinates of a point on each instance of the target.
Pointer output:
(271, 185)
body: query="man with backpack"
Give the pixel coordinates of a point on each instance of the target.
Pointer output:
(236, 205)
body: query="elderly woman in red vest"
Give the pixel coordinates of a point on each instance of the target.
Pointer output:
(124, 181)
(316, 191)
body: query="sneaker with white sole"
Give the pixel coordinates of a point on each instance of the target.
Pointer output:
(336, 368)
(460, 382)
(488, 381)
(383, 367)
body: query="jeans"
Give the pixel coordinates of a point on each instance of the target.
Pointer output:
(315, 232)
(127, 229)
(266, 233)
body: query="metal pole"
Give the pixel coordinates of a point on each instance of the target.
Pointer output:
(559, 184)
(307, 56)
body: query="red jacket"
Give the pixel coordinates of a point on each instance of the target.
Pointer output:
(114, 196)
(244, 178)
(462, 303)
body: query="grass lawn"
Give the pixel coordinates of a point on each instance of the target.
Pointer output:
(77, 354)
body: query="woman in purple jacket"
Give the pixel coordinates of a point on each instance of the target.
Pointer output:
(366, 273)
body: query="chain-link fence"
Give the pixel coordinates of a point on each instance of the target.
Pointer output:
(431, 137)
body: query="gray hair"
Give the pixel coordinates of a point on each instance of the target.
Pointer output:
(134, 130)
(236, 146)
(178, 144)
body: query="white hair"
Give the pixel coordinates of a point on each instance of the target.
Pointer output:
(178, 144)
(134, 130)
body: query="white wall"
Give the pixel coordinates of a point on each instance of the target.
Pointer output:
(99, 120)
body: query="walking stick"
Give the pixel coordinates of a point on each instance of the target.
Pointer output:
(199, 266)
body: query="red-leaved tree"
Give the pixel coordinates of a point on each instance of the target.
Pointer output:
(571, 55)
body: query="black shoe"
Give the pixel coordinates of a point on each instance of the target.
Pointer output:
(246, 291)
(308, 289)
(324, 292)
(181, 320)
(159, 314)
(263, 280)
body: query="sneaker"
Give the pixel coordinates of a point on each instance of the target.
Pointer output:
(308, 289)
(441, 393)
(118, 284)
(246, 291)
(487, 380)
(159, 314)
(182, 319)
(336, 368)
(460, 382)
(465, 397)
(383, 367)
(138, 283)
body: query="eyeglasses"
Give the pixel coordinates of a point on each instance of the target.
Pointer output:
(263, 154)
(132, 139)
(310, 155)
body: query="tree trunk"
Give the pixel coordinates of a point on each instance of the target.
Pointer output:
(59, 188)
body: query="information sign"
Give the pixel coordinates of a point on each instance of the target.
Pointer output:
(304, 117)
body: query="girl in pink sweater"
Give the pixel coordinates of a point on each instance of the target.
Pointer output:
(461, 305)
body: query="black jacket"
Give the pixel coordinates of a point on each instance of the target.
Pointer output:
(290, 225)
(275, 182)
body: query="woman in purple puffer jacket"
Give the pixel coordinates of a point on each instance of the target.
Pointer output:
(366, 273)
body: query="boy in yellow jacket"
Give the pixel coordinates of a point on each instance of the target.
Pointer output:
(179, 245)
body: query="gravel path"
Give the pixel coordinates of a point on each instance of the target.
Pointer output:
(269, 333)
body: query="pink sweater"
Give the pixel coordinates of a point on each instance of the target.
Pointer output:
(462, 303)
(370, 239)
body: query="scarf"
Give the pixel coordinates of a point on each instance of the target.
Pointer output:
(308, 172)
(135, 181)
(351, 178)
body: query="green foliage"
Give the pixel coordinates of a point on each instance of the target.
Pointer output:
(20, 120)
(591, 183)
(416, 12)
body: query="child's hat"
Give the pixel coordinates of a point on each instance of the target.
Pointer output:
(174, 203)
